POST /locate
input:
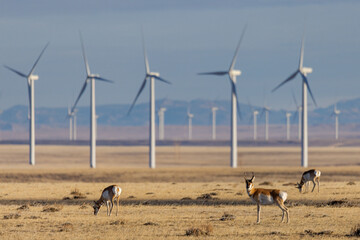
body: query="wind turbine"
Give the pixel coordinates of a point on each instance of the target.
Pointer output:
(149, 76)
(75, 125)
(161, 114)
(254, 118)
(90, 78)
(303, 71)
(70, 116)
(190, 117)
(72, 124)
(288, 115)
(232, 73)
(298, 112)
(31, 78)
(213, 111)
(336, 113)
(266, 110)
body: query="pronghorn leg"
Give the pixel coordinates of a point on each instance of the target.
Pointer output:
(313, 186)
(318, 183)
(284, 209)
(307, 187)
(258, 213)
(111, 205)
(107, 208)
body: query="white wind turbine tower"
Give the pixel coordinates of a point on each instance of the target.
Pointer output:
(288, 115)
(255, 113)
(213, 111)
(303, 71)
(31, 78)
(336, 113)
(75, 125)
(253, 117)
(70, 116)
(149, 76)
(232, 73)
(90, 78)
(72, 124)
(266, 110)
(161, 114)
(190, 117)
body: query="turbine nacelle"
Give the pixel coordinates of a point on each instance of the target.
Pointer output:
(234, 73)
(306, 70)
(288, 114)
(153, 74)
(33, 77)
(190, 115)
(214, 109)
(93, 75)
(162, 110)
(256, 113)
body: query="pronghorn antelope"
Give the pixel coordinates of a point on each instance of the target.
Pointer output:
(310, 175)
(266, 197)
(108, 196)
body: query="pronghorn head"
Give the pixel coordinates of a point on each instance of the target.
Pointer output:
(299, 186)
(96, 207)
(249, 182)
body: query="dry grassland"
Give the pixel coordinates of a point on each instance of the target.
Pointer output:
(53, 201)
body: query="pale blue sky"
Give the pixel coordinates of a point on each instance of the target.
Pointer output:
(182, 38)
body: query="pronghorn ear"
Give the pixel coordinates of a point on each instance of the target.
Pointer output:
(253, 176)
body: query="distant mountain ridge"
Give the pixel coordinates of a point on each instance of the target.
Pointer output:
(176, 114)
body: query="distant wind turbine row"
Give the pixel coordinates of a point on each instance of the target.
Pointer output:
(232, 73)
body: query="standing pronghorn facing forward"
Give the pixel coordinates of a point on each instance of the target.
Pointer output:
(310, 175)
(265, 197)
(108, 196)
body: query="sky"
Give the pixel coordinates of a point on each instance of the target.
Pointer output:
(182, 39)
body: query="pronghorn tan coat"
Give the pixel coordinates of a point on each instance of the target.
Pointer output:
(310, 175)
(263, 196)
(108, 196)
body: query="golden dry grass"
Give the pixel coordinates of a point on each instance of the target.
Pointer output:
(43, 202)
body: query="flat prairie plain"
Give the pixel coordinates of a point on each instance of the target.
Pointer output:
(191, 194)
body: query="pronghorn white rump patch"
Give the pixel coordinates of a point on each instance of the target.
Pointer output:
(117, 191)
(283, 196)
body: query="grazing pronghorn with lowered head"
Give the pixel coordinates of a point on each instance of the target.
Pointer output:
(263, 196)
(108, 196)
(310, 175)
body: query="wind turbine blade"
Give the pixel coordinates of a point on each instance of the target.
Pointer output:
(78, 98)
(237, 49)
(103, 79)
(219, 73)
(137, 95)
(147, 68)
(294, 98)
(37, 60)
(161, 79)
(84, 56)
(233, 87)
(301, 53)
(29, 93)
(308, 86)
(286, 80)
(15, 71)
